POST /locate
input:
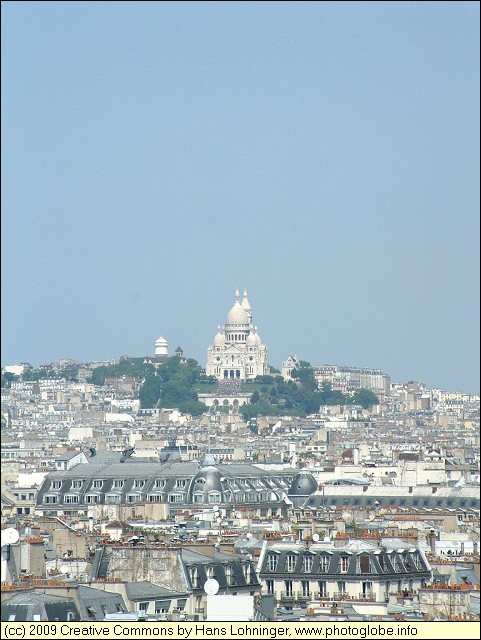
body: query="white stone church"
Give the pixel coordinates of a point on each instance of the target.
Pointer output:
(237, 352)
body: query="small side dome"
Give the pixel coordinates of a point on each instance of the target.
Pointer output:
(219, 337)
(251, 339)
(304, 484)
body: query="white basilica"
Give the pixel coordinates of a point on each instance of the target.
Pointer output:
(237, 352)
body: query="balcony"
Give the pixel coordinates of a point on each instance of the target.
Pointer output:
(303, 596)
(288, 595)
(362, 597)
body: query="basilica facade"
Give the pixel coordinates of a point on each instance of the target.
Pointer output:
(237, 352)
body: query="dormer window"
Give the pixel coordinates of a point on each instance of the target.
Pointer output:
(324, 564)
(344, 564)
(159, 483)
(56, 484)
(138, 484)
(97, 484)
(365, 564)
(290, 562)
(272, 560)
(307, 564)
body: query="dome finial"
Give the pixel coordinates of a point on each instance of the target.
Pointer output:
(237, 295)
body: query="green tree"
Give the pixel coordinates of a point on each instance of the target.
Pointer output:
(365, 397)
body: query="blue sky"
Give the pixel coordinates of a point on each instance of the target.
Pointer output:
(325, 156)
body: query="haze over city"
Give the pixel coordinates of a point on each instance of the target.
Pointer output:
(324, 156)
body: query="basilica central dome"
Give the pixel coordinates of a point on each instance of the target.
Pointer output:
(237, 316)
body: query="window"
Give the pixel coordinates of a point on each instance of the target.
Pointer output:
(56, 484)
(214, 496)
(138, 484)
(71, 498)
(143, 606)
(344, 564)
(117, 484)
(112, 498)
(175, 497)
(155, 497)
(92, 498)
(228, 573)
(50, 499)
(272, 561)
(198, 498)
(365, 564)
(307, 564)
(305, 588)
(341, 586)
(180, 484)
(77, 484)
(270, 586)
(97, 484)
(194, 578)
(159, 483)
(288, 588)
(324, 564)
(322, 584)
(290, 562)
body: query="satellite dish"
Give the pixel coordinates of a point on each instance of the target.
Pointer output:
(238, 515)
(64, 568)
(211, 587)
(249, 536)
(315, 537)
(10, 536)
(216, 508)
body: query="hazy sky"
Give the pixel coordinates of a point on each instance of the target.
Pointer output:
(325, 156)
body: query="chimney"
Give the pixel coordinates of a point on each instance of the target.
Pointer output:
(432, 541)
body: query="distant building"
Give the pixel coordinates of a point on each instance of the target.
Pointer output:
(289, 364)
(349, 379)
(295, 573)
(237, 351)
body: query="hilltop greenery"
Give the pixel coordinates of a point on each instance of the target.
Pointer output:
(300, 397)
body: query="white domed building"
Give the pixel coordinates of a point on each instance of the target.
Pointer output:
(161, 347)
(237, 352)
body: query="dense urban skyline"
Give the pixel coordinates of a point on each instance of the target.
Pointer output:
(324, 156)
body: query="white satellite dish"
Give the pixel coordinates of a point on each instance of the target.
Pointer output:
(249, 536)
(238, 515)
(10, 536)
(64, 568)
(211, 587)
(216, 508)
(315, 537)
